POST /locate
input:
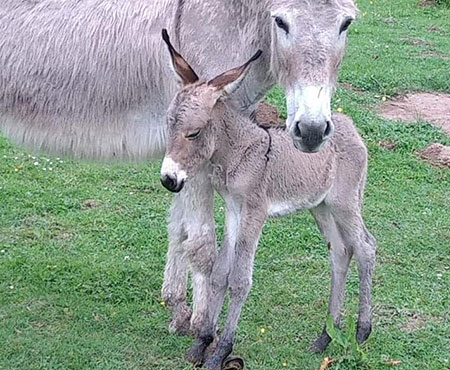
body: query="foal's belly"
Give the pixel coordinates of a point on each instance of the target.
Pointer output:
(282, 208)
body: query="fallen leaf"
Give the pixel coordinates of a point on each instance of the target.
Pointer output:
(393, 362)
(327, 362)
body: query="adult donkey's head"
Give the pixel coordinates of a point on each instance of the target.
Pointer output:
(308, 44)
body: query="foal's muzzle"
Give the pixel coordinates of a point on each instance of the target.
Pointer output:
(172, 184)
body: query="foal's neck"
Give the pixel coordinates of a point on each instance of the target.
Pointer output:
(237, 137)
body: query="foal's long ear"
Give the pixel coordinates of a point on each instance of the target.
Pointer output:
(179, 64)
(229, 81)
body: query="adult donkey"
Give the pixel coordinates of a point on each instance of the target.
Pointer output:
(90, 79)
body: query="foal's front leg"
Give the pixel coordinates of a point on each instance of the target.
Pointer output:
(219, 282)
(239, 280)
(192, 244)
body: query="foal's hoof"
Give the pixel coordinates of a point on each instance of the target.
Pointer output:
(181, 323)
(321, 343)
(198, 351)
(363, 332)
(233, 363)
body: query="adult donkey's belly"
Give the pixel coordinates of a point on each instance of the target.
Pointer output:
(85, 79)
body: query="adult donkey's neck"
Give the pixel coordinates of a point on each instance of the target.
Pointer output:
(234, 29)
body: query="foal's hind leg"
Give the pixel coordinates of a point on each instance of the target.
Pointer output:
(340, 256)
(355, 234)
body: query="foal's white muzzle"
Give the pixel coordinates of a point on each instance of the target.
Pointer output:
(173, 177)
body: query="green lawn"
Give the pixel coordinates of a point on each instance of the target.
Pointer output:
(82, 246)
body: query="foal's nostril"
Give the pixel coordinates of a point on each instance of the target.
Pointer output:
(327, 129)
(169, 183)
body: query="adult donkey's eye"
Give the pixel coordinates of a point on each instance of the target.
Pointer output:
(282, 24)
(345, 25)
(193, 135)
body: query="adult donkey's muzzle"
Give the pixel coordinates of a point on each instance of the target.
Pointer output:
(309, 136)
(309, 117)
(172, 184)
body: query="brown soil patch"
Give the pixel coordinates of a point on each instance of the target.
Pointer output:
(388, 145)
(91, 203)
(435, 29)
(437, 154)
(417, 42)
(427, 4)
(433, 54)
(267, 115)
(409, 321)
(430, 107)
(350, 87)
(415, 322)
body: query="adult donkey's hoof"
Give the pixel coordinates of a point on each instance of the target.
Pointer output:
(196, 356)
(233, 363)
(321, 343)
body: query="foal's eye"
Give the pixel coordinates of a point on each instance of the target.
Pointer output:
(193, 135)
(282, 24)
(345, 25)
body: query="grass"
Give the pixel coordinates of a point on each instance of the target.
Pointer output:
(82, 246)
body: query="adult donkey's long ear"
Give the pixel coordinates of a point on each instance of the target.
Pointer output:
(180, 66)
(229, 81)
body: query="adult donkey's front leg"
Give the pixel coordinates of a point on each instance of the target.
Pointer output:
(192, 244)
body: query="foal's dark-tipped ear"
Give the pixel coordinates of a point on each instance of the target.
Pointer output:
(182, 68)
(229, 81)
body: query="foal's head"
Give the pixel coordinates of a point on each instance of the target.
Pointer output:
(190, 130)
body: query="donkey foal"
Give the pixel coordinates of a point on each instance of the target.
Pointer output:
(260, 173)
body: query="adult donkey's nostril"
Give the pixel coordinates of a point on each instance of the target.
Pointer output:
(297, 131)
(328, 129)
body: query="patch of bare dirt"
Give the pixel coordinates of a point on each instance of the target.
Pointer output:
(91, 203)
(434, 54)
(415, 322)
(417, 42)
(388, 145)
(435, 29)
(430, 107)
(409, 321)
(268, 115)
(427, 4)
(437, 154)
(350, 87)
